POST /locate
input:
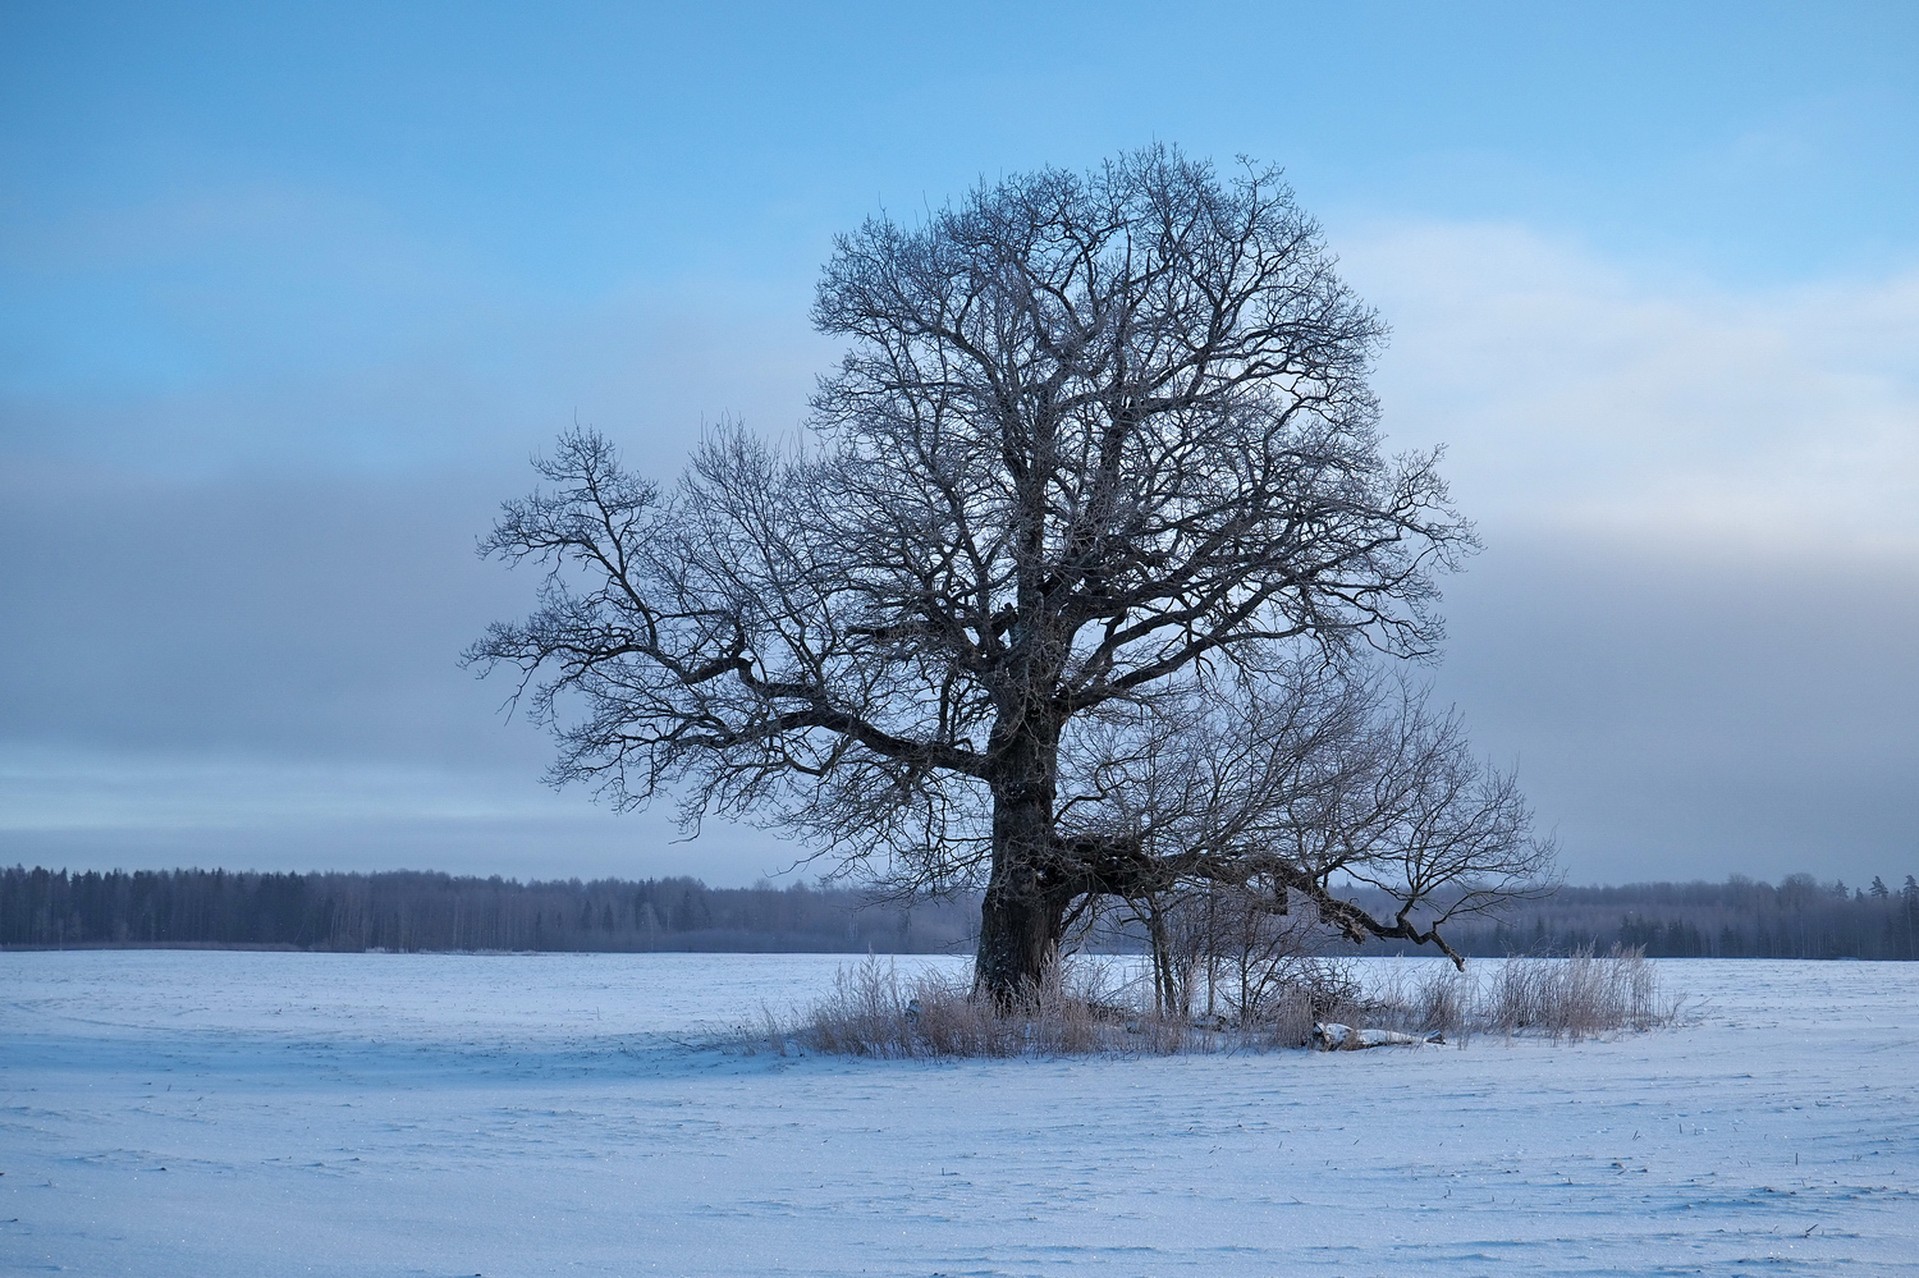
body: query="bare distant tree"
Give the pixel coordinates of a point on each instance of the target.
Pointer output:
(1066, 592)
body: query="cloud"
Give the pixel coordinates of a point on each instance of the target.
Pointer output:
(233, 601)
(260, 670)
(1682, 712)
(286, 328)
(1692, 623)
(579, 842)
(53, 790)
(1577, 395)
(154, 809)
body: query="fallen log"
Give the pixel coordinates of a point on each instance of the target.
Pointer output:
(1330, 1036)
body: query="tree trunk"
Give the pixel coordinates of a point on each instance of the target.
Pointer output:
(1019, 935)
(1023, 915)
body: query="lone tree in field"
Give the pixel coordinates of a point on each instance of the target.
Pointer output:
(1068, 590)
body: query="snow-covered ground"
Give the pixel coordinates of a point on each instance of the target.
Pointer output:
(260, 1114)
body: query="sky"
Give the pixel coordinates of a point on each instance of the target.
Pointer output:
(290, 294)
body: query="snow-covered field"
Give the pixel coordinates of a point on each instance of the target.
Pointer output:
(210, 1114)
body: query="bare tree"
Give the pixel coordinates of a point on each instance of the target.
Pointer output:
(1067, 591)
(1285, 787)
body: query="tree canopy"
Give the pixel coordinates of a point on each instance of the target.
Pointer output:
(1078, 584)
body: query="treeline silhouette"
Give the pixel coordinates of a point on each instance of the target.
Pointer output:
(1797, 918)
(409, 910)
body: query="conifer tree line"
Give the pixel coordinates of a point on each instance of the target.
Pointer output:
(1798, 918)
(408, 910)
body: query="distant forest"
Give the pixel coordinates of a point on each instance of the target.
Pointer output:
(1797, 918)
(405, 910)
(408, 910)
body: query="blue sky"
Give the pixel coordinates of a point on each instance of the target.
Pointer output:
(289, 293)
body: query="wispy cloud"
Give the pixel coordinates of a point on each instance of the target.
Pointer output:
(47, 790)
(1577, 395)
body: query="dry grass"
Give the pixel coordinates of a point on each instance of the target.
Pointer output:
(1577, 997)
(1430, 999)
(872, 1011)
(1082, 1009)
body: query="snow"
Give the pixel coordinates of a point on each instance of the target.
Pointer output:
(216, 1114)
(1331, 1036)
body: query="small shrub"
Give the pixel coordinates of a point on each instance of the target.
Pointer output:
(1307, 990)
